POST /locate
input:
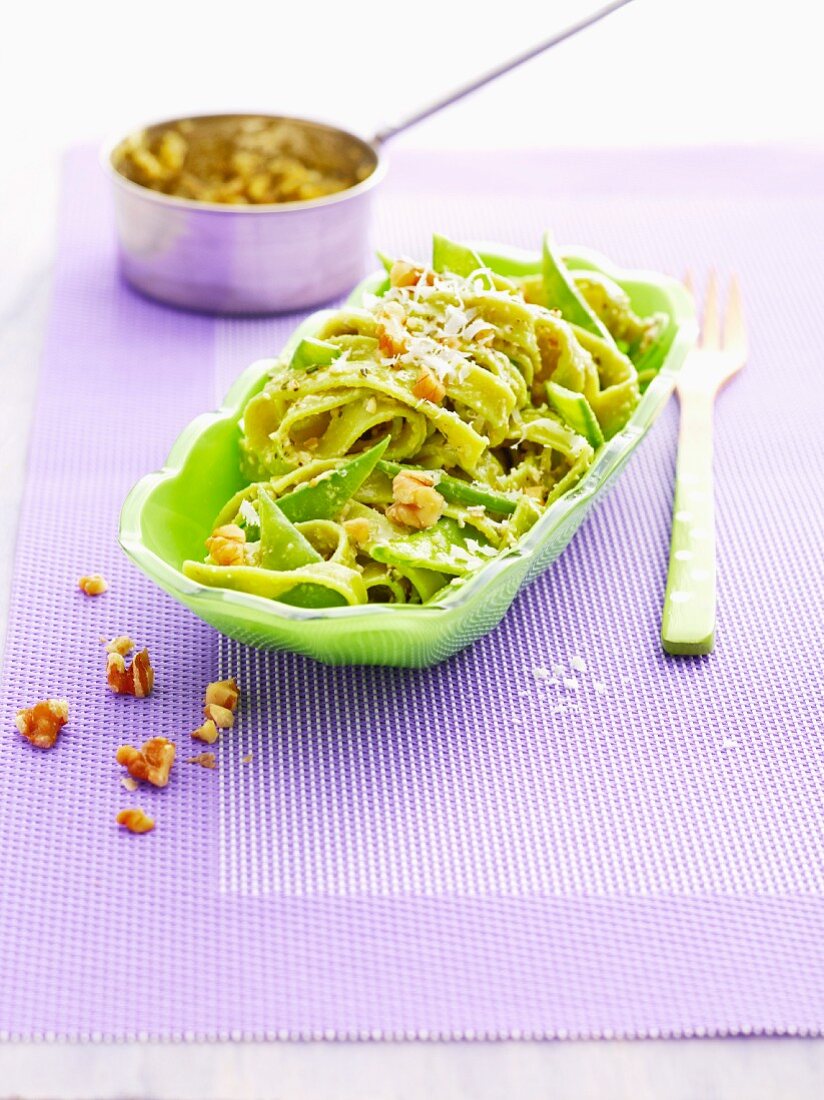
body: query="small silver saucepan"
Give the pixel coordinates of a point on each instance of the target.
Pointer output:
(267, 257)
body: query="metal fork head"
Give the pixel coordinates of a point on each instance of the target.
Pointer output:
(721, 350)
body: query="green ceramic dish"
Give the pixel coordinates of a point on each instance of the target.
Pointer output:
(168, 514)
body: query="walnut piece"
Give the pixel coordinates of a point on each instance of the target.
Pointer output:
(429, 387)
(93, 584)
(223, 692)
(225, 545)
(391, 330)
(402, 273)
(122, 644)
(136, 679)
(207, 732)
(129, 783)
(221, 716)
(417, 503)
(42, 723)
(204, 759)
(358, 530)
(153, 762)
(135, 821)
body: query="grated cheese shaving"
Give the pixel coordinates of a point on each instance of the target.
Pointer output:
(247, 510)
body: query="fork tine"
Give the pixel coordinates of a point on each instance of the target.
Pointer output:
(710, 330)
(735, 332)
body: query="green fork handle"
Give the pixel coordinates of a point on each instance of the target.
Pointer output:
(688, 622)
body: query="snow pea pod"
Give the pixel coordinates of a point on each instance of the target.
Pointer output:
(326, 498)
(459, 260)
(229, 513)
(450, 256)
(282, 546)
(386, 262)
(311, 354)
(460, 492)
(562, 293)
(648, 362)
(576, 411)
(445, 547)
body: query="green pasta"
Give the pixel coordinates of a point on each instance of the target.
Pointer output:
(409, 441)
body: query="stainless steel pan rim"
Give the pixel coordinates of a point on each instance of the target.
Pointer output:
(371, 150)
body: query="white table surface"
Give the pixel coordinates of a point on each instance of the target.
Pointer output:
(713, 88)
(704, 1069)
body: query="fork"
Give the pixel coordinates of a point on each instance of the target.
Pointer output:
(688, 621)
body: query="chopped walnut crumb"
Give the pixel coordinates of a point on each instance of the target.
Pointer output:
(42, 723)
(225, 545)
(223, 692)
(402, 273)
(135, 679)
(129, 783)
(392, 335)
(247, 759)
(204, 759)
(429, 387)
(93, 584)
(135, 821)
(207, 732)
(153, 762)
(122, 644)
(358, 529)
(221, 716)
(417, 502)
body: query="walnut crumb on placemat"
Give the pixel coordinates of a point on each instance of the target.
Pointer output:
(93, 584)
(153, 762)
(136, 679)
(207, 732)
(204, 759)
(221, 716)
(136, 821)
(222, 693)
(41, 723)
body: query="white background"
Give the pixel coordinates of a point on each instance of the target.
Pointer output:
(658, 71)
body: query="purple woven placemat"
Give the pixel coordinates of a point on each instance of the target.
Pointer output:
(467, 851)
